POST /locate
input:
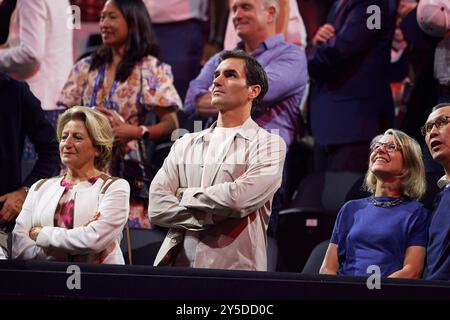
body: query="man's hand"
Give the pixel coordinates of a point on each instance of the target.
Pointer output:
(324, 33)
(204, 107)
(12, 205)
(179, 190)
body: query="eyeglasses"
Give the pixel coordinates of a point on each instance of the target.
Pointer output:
(389, 147)
(439, 123)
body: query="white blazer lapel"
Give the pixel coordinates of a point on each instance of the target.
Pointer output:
(86, 203)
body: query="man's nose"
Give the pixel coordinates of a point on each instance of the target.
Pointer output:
(237, 14)
(434, 131)
(218, 81)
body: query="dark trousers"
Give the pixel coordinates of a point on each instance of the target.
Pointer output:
(181, 46)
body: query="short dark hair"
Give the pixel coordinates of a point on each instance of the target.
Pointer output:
(141, 39)
(254, 72)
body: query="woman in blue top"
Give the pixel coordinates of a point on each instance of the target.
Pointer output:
(389, 229)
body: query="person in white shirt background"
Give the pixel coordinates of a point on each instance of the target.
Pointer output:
(39, 49)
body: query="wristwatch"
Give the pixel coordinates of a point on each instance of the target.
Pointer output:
(26, 189)
(145, 133)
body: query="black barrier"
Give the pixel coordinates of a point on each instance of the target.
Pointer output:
(47, 280)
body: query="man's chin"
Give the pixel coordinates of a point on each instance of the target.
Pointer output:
(221, 107)
(242, 33)
(439, 157)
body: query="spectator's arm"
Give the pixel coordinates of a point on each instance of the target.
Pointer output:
(330, 263)
(412, 264)
(218, 14)
(23, 246)
(283, 18)
(12, 205)
(250, 191)
(200, 85)
(352, 39)
(42, 135)
(25, 58)
(97, 235)
(164, 207)
(282, 81)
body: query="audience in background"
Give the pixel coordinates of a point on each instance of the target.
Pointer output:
(178, 25)
(289, 22)
(350, 100)
(39, 50)
(125, 80)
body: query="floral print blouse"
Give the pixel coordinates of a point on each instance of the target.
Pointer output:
(150, 83)
(66, 205)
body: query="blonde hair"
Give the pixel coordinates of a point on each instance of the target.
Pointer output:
(98, 128)
(413, 180)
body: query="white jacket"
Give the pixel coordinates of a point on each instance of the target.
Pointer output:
(96, 243)
(40, 48)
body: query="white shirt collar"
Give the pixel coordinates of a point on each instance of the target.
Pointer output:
(443, 182)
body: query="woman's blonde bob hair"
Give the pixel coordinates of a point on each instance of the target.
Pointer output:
(413, 180)
(98, 128)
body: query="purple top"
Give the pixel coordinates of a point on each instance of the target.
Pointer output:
(286, 68)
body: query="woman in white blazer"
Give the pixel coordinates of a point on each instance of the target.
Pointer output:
(77, 217)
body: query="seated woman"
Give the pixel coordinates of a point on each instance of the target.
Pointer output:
(79, 216)
(388, 229)
(125, 80)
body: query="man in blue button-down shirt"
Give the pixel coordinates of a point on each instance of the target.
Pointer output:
(284, 63)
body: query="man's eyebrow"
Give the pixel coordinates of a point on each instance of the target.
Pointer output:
(231, 70)
(226, 72)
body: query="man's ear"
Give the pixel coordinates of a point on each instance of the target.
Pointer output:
(254, 91)
(272, 13)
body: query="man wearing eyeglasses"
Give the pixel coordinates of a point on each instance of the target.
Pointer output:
(437, 137)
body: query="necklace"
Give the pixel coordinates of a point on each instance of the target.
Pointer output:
(386, 204)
